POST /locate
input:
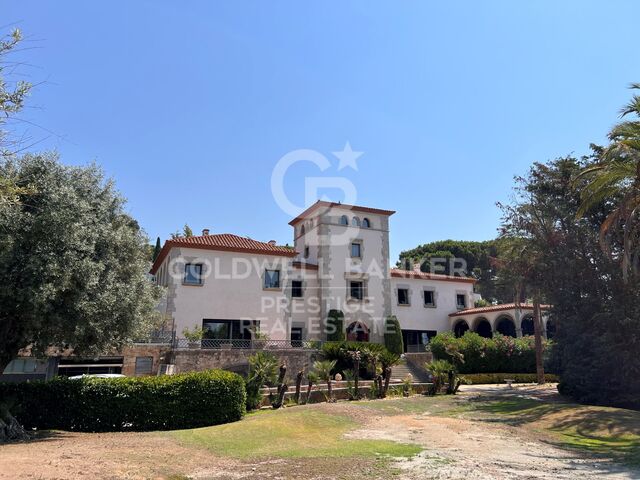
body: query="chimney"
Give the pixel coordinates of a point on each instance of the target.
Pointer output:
(416, 267)
(272, 243)
(205, 231)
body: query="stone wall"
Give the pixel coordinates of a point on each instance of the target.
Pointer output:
(159, 353)
(237, 360)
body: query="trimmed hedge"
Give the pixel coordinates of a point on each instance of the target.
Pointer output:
(113, 404)
(393, 335)
(488, 378)
(487, 355)
(335, 323)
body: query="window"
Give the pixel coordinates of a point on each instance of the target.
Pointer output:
(461, 301)
(144, 365)
(429, 298)
(21, 365)
(296, 289)
(344, 220)
(193, 274)
(272, 279)
(302, 231)
(403, 296)
(306, 252)
(356, 250)
(229, 330)
(356, 290)
(296, 337)
(355, 222)
(366, 223)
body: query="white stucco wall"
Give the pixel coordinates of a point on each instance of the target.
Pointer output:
(232, 289)
(418, 317)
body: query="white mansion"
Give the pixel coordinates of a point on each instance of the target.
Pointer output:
(233, 286)
(239, 291)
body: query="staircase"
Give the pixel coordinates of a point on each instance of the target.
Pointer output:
(400, 371)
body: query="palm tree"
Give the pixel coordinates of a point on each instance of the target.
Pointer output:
(323, 370)
(312, 378)
(617, 176)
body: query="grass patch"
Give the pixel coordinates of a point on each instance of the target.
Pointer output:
(610, 432)
(295, 433)
(418, 404)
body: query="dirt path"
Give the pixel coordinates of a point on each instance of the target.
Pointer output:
(454, 448)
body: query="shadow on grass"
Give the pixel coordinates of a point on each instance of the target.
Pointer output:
(601, 431)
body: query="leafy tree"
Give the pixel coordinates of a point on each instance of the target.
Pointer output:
(156, 250)
(597, 315)
(185, 233)
(616, 175)
(479, 258)
(12, 97)
(393, 335)
(73, 269)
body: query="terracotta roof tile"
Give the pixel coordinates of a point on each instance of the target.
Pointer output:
(398, 273)
(225, 242)
(497, 308)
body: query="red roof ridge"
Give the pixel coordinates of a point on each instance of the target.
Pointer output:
(226, 242)
(497, 308)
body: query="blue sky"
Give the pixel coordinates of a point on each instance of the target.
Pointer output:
(190, 105)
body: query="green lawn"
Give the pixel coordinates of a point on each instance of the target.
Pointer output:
(290, 433)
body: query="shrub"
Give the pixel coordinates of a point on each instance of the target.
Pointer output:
(263, 370)
(335, 326)
(487, 378)
(339, 351)
(147, 403)
(393, 335)
(474, 354)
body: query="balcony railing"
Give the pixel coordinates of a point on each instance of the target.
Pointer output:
(418, 348)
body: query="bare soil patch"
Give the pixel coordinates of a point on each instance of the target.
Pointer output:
(457, 444)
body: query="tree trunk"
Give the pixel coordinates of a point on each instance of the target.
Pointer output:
(11, 430)
(387, 379)
(282, 389)
(356, 378)
(298, 386)
(309, 388)
(537, 331)
(378, 381)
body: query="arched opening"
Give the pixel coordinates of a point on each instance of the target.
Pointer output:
(483, 328)
(551, 329)
(460, 328)
(355, 222)
(358, 332)
(366, 223)
(344, 220)
(527, 326)
(506, 327)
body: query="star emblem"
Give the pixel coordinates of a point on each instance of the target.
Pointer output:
(347, 157)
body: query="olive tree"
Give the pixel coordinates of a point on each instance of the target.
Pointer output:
(73, 266)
